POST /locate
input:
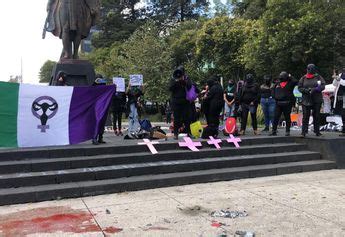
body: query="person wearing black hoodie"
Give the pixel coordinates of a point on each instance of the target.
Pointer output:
(311, 86)
(249, 100)
(283, 94)
(179, 103)
(215, 103)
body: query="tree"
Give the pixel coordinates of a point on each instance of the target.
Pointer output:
(289, 36)
(167, 11)
(46, 71)
(219, 43)
(249, 9)
(120, 18)
(146, 52)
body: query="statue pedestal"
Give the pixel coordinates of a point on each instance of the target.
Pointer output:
(79, 72)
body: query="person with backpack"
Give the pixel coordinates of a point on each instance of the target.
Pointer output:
(133, 93)
(339, 97)
(249, 100)
(180, 106)
(311, 86)
(282, 92)
(229, 99)
(267, 102)
(215, 103)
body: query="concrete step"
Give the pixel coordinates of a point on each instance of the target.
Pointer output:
(90, 150)
(87, 188)
(50, 164)
(157, 167)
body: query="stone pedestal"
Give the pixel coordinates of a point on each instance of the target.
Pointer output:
(79, 72)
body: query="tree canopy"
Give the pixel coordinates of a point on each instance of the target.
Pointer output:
(228, 38)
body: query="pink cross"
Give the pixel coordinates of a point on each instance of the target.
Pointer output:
(149, 144)
(190, 144)
(214, 142)
(234, 140)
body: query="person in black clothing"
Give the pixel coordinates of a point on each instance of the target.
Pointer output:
(311, 86)
(215, 103)
(117, 108)
(285, 99)
(179, 104)
(267, 102)
(99, 137)
(229, 98)
(249, 100)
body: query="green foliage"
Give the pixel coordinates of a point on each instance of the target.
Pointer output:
(46, 71)
(259, 36)
(289, 36)
(220, 42)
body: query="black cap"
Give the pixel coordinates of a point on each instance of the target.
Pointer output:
(311, 68)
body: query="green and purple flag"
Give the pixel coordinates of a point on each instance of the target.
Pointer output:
(33, 115)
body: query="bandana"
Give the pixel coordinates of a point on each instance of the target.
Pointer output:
(310, 75)
(283, 84)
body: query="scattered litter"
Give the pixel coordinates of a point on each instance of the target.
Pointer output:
(244, 233)
(222, 235)
(229, 214)
(217, 224)
(107, 211)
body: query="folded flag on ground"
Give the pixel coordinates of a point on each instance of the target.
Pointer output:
(33, 115)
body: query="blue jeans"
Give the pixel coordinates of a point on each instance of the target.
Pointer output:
(133, 123)
(228, 110)
(268, 106)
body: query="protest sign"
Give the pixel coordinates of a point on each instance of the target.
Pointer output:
(136, 80)
(120, 84)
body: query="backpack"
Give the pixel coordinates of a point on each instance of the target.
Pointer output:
(145, 124)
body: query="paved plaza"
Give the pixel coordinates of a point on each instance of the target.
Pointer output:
(305, 204)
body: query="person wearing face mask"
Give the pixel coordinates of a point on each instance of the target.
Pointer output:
(283, 94)
(267, 101)
(229, 99)
(311, 86)
(249, 101)
(215, 102)
(339, 97)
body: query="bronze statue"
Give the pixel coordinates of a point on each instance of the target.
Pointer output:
(71, 21)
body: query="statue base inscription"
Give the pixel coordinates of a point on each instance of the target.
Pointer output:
(79, 72)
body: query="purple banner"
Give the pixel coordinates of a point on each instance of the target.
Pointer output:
(88, 111)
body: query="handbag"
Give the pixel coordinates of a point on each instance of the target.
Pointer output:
(196, 129)
(191, 94)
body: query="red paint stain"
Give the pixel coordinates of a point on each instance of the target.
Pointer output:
(47, 220)
(112, 230)
(216, 224)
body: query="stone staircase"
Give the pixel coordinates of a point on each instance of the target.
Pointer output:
(33, 175)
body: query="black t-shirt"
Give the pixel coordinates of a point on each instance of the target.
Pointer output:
(133, 95)
(265, 91)
(230, 92)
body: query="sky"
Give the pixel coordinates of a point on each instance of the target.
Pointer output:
(21, 24)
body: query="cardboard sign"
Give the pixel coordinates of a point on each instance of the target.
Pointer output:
(120, 84)
(136, 80)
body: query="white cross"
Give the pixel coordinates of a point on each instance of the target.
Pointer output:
(234, 140)
(214, 142)
(190, 144)
(149, 144)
